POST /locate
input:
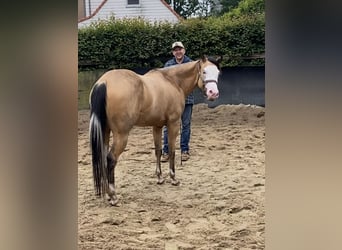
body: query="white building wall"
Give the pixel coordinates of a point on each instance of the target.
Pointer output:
(152, 10)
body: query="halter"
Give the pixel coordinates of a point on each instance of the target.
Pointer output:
(207, 81)
(199, 75)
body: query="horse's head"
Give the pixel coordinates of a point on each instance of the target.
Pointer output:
(209, 71)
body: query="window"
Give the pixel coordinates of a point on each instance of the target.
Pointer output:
(133, 2)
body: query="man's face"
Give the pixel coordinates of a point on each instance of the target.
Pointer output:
(178, 52)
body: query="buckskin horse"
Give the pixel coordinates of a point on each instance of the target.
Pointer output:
(121, 99)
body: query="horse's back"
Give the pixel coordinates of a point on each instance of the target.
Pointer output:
(143, 100)
(120, 78)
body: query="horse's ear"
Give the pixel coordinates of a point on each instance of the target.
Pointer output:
(219, 59)
(204, 58)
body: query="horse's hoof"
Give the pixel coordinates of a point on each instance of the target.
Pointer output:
(111, 196)
(114, 202)
(175, 182)
(160, 181)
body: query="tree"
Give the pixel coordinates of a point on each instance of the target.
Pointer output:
(184, 8)
(205, 8)
(228, 5)
(246, 7)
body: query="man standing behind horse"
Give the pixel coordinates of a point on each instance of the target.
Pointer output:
(178, 51)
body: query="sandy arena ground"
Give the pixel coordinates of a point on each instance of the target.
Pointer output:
(219, 204)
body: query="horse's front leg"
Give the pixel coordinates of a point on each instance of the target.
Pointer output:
(157, 136)
(173, 130)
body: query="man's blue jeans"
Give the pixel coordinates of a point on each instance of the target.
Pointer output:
(185, 132)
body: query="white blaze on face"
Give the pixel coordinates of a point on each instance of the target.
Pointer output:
(211, 74)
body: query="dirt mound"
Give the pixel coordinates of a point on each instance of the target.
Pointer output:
(218, 205)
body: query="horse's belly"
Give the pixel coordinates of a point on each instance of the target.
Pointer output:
(159, 113)
(146, 120)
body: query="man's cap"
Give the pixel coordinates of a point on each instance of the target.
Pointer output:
(178, 44)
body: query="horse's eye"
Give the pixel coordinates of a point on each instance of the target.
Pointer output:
(203, 72)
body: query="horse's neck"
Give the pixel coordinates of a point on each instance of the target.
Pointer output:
(185, 76)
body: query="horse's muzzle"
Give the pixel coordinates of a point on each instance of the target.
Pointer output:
(211, 91)
(212, 96)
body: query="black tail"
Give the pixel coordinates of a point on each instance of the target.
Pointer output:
(97, 125)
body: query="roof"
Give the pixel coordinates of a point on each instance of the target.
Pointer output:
(105, 1)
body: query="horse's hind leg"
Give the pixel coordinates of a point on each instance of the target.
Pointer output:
(111, 163)
(119, 144)
(157, 134)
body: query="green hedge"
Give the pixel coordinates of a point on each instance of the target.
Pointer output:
(135, 43)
